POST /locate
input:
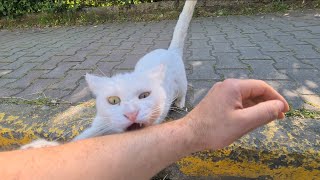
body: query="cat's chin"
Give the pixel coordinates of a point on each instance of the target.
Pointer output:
(135, 126)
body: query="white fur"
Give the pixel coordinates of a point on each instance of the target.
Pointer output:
(160, 72)
(39, 143)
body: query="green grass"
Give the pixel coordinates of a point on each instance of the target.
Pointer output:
(38, 101)
(72, 18)
(303, 113)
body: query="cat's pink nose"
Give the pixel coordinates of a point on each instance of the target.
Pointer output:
(132, 116)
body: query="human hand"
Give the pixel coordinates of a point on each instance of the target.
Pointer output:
(231, 109)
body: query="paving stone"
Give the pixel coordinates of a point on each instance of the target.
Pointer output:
(81, 94)
(315, 41)
(115, 41)
(228, 60)
(119, 71)
(56, 93)
(222, 47)
(248, 53)
(314, 100)
(314, 29)
(263, 69)
(126, 45)
(303, 35)
(151, 35)
(36, 89)
(4, 81)
(16, 64)
(70, 81)
(60, 70)
(201, 54)
(130, 61)
(52, 62)
(288, 89)
(274, 32)
(270, 46)
(281, 50)
(6, 92)
(288, 40)
(308, 80)
(26, 80)
(138, 49)
(196, 43)
(93, 46)
(115, 56)
(146, 41)
(203, 70)
(242, 42)
(315, 63)
(201, 36)
(305, 51)
(89, 63)
(259, 37)
(234, 73)
(5, 72)
(17, 73)
(43, 58)
(69, 52)
(160, 45)
(286, 60)
(218, 38)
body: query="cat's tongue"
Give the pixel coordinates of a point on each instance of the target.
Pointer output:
(135, 126)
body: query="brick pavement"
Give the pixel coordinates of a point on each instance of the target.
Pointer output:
(51, 62)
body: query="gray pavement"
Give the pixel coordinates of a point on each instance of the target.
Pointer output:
(282, 50)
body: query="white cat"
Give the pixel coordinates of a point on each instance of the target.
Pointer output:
(142, 97)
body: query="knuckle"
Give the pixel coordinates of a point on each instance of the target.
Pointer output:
(231, 84)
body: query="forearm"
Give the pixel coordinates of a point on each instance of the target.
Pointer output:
(135, 155)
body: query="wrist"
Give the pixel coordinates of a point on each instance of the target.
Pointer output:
(193, 134)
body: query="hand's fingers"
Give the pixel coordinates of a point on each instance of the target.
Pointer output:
(257, 88)
(262, 113)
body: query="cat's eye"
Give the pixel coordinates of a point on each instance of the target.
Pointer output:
(114, 100)
(144, 95)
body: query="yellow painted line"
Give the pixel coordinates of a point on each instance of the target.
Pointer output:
(196, 166)
(16, 130)
(235, 160)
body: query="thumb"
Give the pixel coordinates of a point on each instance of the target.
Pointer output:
(262, 113)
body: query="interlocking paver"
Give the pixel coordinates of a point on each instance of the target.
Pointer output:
(26, 80)
(263, 69)
(89, 63)
(17, 73)
(284, 51)
(203, 70)
(70, 82)
(228, 61)
(60, 70)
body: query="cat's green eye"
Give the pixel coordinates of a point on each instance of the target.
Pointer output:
(144, 95)
(114, 100)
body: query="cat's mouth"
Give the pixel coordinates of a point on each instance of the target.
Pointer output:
(135, 126)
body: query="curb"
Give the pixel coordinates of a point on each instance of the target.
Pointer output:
(286, 149)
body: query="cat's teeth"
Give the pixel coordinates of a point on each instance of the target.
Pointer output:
(140, 124)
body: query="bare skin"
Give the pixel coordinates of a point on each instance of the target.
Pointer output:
(231, 109)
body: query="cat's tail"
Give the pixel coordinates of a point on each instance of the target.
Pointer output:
(181, 29)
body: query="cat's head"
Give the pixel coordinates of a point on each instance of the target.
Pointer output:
(126, 101)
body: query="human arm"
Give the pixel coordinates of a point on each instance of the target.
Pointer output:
(229, 110)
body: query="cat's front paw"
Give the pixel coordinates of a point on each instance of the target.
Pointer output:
(39, 143)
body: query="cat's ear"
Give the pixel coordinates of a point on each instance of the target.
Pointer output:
(94, 82)
(158, 72)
